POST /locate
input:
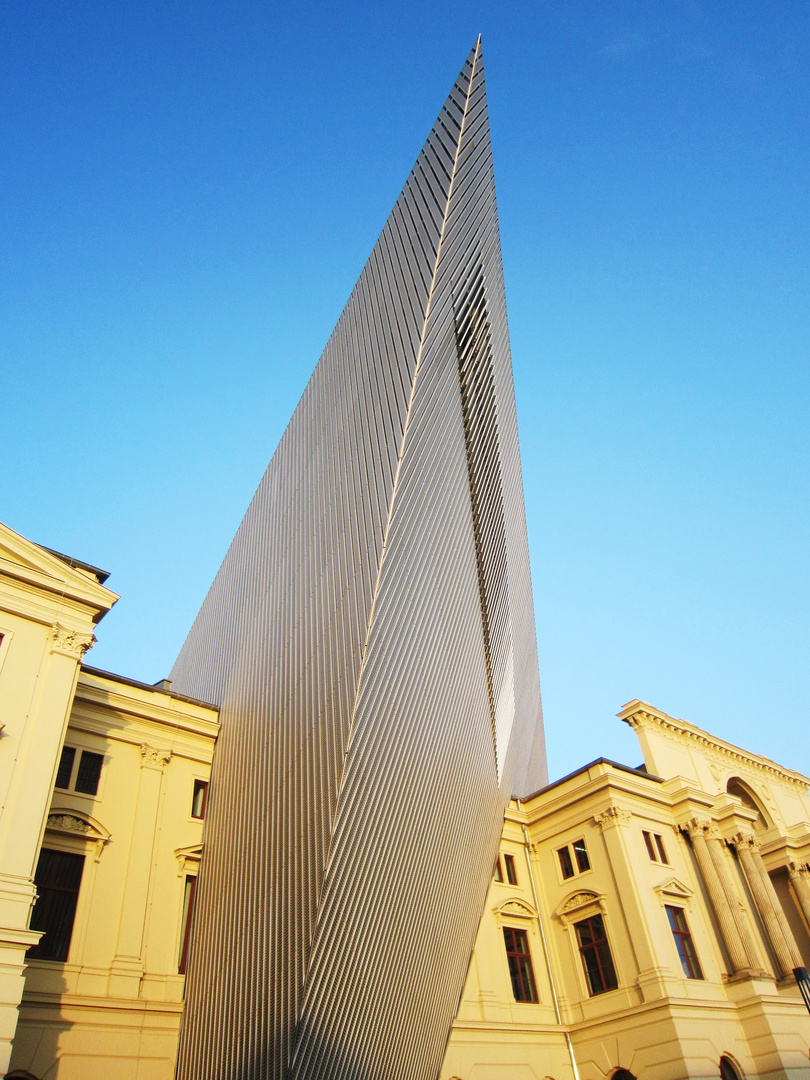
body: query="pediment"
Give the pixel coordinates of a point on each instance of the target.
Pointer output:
(73, 824)
(35, 565)
(514, 907)
(675, 889)
(578, 901)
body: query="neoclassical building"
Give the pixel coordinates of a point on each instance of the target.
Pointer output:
(640, 920)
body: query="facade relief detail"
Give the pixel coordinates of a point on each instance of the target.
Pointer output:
(614, 815)
(70, 643)
(154, 759)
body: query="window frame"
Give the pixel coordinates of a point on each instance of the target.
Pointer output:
(654, 844)
(687, 953)
(46, 895)
(510, 868)
(594, 946)
(199, 783)
(519, 971)
(186, 918)
(79, 752)
(571, 856)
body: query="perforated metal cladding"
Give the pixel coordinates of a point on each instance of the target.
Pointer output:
(355, 807)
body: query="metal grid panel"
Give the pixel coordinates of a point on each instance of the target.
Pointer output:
(370, 641)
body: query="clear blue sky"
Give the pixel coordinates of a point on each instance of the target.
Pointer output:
(190, 190)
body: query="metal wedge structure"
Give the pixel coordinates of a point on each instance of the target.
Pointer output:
(370, 642)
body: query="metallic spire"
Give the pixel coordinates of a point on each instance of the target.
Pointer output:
(370, 641)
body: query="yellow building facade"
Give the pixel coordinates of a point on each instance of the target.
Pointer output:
(641, 922)
(104, 783)
(646, 922)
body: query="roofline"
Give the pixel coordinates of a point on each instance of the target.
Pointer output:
(100, 575)
(584, 768)
(99, 672)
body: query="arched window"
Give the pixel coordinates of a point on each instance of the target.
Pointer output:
(735, 786)
(728, 1070)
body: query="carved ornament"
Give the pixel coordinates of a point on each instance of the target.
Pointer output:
(153, 758)
(70, 643)
(614, 815)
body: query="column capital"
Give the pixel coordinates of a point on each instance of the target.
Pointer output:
(72, 643)
(743, 840)
(797, 870)
(614, 815)
(152, 758)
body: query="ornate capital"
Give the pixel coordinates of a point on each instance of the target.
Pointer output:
(798, 870)
(614, 815)
(744, 840)
(70, 643)
(697, 827)
(154, 759)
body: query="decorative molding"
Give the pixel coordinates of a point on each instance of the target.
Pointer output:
(681, 731)
(513, 908)
(70, 643)
(673, 889)
(579, 900)
(703, 826)
(186, 855)
(69, 823)
(579, 905)
(614, 815)
(151, 758)
(79, 825)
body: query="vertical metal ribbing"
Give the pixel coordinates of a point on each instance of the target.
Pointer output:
(344, 641)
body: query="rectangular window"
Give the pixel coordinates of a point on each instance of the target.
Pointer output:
(89, 773)
(189, 893)
(520, 964)
(567, 867)
(498, 871)
(58, 877)
(595, 953)
(655, 846)
(581, 854)
(511, 874)
(199, 798)
(65, 770)
(684, 943)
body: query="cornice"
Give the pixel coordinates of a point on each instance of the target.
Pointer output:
(639, 714)
(98, 700)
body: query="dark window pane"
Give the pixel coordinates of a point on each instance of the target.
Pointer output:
(684, 943)
(87, 777)
(511, 875)
(198, 799)
(727, 1070)
(581, 853)
(58, 877)
(650, 848)
(596, 958)
(498, 871)
(567, 867)
(520, 964)
(659, 843)
(65, 770)
(188, 914)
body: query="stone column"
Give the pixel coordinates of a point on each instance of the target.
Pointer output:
(722, 909)
(768, 906)
(719, 856)
(800, 880)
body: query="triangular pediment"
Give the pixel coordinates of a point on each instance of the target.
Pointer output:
(674, 888)
(33, 565)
